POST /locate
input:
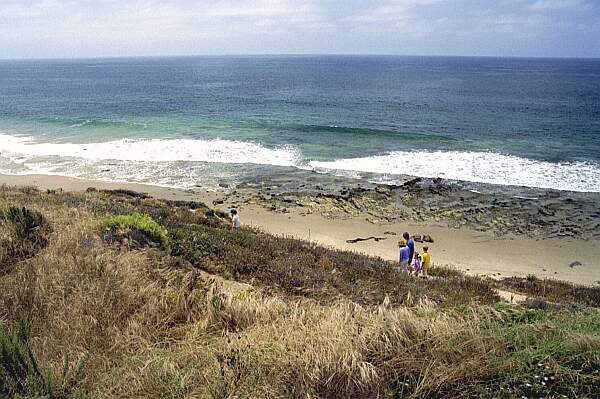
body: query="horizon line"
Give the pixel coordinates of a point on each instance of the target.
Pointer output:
(298, 55)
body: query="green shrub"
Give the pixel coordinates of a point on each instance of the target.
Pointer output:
(23, 233)
(22, 220)
(138, 227)
(22, 377)
(19, 372)
(531, 277)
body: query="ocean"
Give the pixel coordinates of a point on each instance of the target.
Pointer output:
(207, 121)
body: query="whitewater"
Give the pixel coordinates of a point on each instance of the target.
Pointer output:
(183, 163)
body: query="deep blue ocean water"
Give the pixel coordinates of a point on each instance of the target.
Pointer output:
(194, 121)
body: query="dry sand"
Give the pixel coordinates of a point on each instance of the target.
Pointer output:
(470, 251)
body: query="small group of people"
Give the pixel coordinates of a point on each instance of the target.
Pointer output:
(411, 261)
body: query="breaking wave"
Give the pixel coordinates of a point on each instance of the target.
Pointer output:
(185, 162)
(479, 167)
(156, 150)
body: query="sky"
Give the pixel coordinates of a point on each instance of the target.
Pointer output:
(107, 28)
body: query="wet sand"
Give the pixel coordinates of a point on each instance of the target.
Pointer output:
(475, 252)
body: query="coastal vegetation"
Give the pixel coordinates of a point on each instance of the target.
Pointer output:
(22, 233)
(116, 294)
(138, 228)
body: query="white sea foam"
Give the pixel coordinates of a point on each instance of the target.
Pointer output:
(183, 163)
(22, 149)
(481, 167)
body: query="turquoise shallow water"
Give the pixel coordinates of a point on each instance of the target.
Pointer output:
(199, 120)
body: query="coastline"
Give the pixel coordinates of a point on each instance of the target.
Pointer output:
(475, 252)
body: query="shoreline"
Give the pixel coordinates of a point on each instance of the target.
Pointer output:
(482, 252)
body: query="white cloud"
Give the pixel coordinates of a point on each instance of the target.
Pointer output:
(551, 5)
(147, 27)
(390, 11)
(17, 10)
(516, 25)
(112, 19)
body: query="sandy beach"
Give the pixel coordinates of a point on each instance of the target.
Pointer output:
(475, 252)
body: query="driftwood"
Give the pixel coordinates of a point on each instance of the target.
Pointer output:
(358, 239)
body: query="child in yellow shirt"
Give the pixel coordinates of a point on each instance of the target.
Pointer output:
(425, 261)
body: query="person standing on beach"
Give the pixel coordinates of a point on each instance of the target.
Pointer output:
(425, 261)
(403, 256)
(417, 264)
(236, 225)
(410, 243)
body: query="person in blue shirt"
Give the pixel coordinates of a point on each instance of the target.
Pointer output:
(411, 247)
(403, 256)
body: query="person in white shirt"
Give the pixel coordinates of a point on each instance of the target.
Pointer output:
(236, 225)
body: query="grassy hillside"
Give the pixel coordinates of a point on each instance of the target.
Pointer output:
(114, 294)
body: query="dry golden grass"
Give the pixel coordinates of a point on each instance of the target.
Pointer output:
(107, 321)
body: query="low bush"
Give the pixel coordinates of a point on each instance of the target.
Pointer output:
(22, 220)
(302, 268)
(21, 375)
(141, 229)
(19, 372)
(123, 192)
(554, 290)
(23, 232)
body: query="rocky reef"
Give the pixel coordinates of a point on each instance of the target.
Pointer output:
(502, 210)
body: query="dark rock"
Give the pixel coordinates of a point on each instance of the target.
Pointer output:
(290, 199)
(218, 201)
(427, 238)
(418, 238)
(412, 182)
(575, 264)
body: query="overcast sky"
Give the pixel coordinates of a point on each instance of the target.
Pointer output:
(98, 28)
